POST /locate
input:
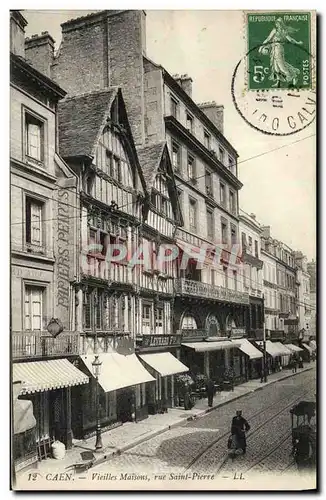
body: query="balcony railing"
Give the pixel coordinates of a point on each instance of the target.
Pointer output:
(198, 289)
(38, 344)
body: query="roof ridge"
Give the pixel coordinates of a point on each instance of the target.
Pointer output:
(92, 92)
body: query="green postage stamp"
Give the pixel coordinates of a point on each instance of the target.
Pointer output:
(279, 50)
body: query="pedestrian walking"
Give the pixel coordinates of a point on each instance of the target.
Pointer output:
(210, 392)
(239, 427)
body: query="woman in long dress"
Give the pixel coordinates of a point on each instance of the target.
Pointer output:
(281, 70)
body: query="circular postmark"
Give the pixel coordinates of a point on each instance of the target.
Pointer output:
(272, 95)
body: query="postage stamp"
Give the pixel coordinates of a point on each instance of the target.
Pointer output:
(274, 84)
(274, 60)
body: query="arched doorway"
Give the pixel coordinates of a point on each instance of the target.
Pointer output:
(213, 326)
(230, 323)
(188, 322)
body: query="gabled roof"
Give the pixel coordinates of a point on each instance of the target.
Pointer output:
(80, 121)
(150, 158)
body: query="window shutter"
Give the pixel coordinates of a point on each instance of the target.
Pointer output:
(37, 309)
(36, 224)
(27, 310)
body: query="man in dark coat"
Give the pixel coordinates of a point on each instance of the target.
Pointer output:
(239, 427)
(210, 391)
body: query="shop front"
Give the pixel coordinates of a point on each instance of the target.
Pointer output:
(251, 360)
(213, 356)
(158, 353)
(46, 385)
(122, 385)
(24, 452)
(274, 351)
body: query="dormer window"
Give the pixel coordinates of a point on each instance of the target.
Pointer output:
(189, 123)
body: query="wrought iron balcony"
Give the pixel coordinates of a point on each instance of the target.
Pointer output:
(38, 344)
(199, 289)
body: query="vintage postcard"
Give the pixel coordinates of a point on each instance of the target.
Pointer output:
(163, 250)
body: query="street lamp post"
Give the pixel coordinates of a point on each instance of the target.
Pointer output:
(96, 365)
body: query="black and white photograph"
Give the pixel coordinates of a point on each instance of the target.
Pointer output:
(163, 260)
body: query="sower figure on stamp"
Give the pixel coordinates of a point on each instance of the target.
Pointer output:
(281, 70)
(239, 427)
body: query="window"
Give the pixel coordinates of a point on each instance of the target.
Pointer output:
(225, 271)
(250, 244)
(235, 280)
(231, 163)
(221, 154)
(243, 241)
(232, 202)
(210, 224)
(213, 277)
(99, 309)
(174, 107)
(159, 320)
(222, 194)
(207, 140)
(33, 308)
(34, 138)
(147, 312)
(34, 224)
(191, 168)
(176, 156)
(208, 183)
(224, 232)
(87, 310)
(189, 122)
(233, 235)
(192, 215)
(256, 248)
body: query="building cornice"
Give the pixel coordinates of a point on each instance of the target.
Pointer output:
(196, 146)
(194, 108)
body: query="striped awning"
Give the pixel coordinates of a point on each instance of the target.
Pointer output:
(306, 346)
(39, 376)
(164, 363)
(118, 371)
(24, 419)
(285, 351)
(293, 347)
(212, 346)
(247, 348)
(271, 348)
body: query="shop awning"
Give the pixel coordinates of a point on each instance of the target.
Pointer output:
(306, 346)
(119, 371)
(313, 344)
(212, 346)
(24, 419)
(285, 351)
(248, 348)
(39, 376)
(164, 363)
(271, 348)
(293, 348)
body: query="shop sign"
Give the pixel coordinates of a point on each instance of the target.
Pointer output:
(238, 332)
(276, 334)
(193, 334)
(160, 340)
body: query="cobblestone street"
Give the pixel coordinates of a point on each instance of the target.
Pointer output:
(200, 446)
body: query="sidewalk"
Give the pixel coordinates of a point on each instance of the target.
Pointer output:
(130, 434)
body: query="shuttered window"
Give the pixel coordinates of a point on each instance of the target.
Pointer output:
(33, 308)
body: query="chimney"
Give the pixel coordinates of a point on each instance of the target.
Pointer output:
(266, 231)
(215, 112)
(17, 33)
(185, 83)
(39, 52)
(106, 49)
